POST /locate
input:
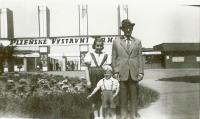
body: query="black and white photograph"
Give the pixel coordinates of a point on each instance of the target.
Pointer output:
(92, 59)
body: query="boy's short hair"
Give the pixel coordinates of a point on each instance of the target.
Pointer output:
(107, 69)
(108, 72)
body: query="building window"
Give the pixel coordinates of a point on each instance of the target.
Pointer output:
(153, 59)
(177, 59)
(198, 59)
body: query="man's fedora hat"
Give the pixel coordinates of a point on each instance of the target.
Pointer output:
(126, 22)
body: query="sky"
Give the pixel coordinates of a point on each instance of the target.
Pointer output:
(156, 21)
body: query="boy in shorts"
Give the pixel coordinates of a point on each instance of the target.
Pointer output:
(110, 88)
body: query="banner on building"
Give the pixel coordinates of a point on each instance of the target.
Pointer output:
(58, 41)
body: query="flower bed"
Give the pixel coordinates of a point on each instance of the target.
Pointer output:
(42, 95)
(51, 96)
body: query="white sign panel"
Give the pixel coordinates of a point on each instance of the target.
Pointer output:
(58, 41)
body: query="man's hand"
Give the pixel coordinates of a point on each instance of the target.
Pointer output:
(140, 77)
(88, 84)
(114, 96)
(116, 76)
(89, 96)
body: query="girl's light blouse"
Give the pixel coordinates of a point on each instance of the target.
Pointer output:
(99, 58)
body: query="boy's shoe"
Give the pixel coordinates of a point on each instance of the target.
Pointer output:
(98, 118)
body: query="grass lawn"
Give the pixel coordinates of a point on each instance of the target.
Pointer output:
(188, 79)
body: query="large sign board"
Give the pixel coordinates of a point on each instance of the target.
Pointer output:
(58, 41)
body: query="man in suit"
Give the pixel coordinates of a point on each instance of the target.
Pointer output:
(127, 63)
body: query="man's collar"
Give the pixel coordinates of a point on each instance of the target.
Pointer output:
(97, 53)
(109, 78)
(125, 38)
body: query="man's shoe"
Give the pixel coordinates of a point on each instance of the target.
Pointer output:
(123, 118)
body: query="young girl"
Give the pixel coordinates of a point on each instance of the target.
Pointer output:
(95, 61)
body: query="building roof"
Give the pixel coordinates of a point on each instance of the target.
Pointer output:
(147, 50)
(25, 52)
(177, 47)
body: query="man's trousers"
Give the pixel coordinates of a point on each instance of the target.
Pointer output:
(129, 90)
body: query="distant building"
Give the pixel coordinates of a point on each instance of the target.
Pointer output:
(179, 55)
(152, 59)
(162, 56)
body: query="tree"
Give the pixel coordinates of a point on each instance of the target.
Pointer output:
(10, 51)
(2, 58)
(19, 66)
(7, 54)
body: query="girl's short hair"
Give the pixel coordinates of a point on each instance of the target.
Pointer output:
(97, 39)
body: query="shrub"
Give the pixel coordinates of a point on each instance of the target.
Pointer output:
(25, 75)
(146, 96)
(10, 105)
(3, 78)
(14, 77)
(3, 103)
(65, 105)
(10, 85)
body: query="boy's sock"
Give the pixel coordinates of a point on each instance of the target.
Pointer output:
(101, 111)
(96, 113)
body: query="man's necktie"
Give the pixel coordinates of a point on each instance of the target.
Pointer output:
(128, 42)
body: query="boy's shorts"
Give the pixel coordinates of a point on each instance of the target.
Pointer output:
(107, 99)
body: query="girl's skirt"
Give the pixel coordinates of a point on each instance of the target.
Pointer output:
(96, 73)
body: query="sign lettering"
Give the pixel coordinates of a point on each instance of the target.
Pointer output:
(58, 41)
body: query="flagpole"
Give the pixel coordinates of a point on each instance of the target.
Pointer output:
(87, 21)
(79, 20)
(127, 10)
